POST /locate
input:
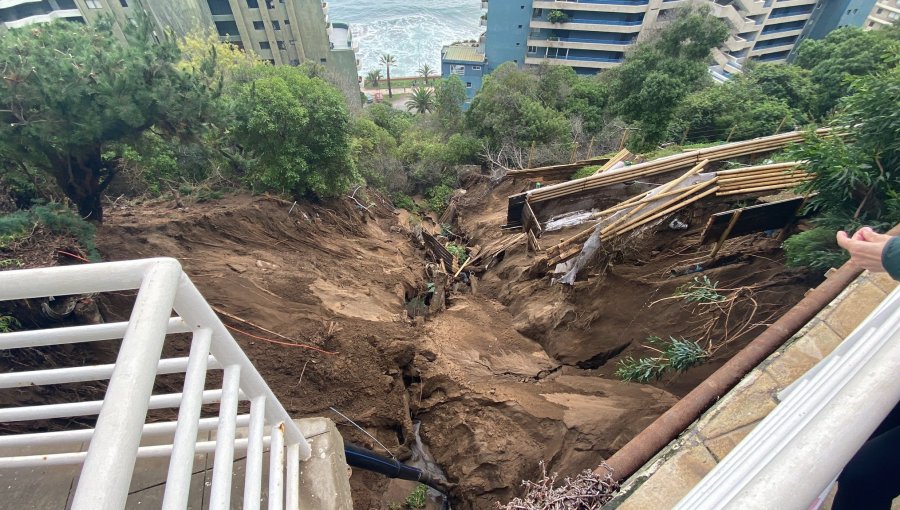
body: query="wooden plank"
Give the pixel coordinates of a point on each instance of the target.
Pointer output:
(755, 218)
(620, 156)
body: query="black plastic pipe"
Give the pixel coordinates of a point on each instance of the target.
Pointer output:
(363, 458)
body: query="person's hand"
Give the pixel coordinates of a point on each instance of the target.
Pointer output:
(865, 247)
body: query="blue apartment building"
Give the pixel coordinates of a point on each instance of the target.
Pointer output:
(467, 61)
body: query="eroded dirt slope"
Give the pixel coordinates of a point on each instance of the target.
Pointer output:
(492, 403)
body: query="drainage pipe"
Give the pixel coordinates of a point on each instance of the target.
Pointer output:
(673, 422)
(363, 458)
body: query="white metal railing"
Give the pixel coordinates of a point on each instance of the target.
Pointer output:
(794, 454)
(115, 441)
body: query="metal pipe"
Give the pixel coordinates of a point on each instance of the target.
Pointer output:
(276, 468)
(81, 435)
(78, 334)
(670, 424)
(292, 492)
(181, 467)
(220, 493)
(253, 475)
(144, 452)
(83, 374)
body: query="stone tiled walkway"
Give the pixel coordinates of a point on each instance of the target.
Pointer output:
(673, 472)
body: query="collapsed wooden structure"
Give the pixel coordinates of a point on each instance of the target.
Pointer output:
(516, 203)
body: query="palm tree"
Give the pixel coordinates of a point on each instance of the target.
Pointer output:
(425, 71)
(422, 100)
(373, 78)
(388, 60)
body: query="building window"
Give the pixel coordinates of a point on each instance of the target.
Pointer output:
(520, 26)
(516, 61)
(227, 28)
(871, 24)
(287, 22)
(216, 7)
(532, 49)
(322, 60)
(476, 68)
(123, 3)
(468, 84)
(93, 4)
(264, 45)
(258, 25)
(66, 4)
(253, 4)
(281, 45)
(518, 44)
(276, 25)
(457, 69)
(893, 15)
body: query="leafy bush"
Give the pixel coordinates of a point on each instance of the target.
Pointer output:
(458, 251)
(675, 355)
(439, 197)
(557, 16)
(55, 218)
(403, 201)
(815, 248)
(586, 171)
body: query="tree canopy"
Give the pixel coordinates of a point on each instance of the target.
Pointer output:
(69, 90)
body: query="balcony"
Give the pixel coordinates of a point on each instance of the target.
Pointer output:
(591, 25)
(325, 8)
(483, 21)
(587, 62)
(44, 18)
(341, 38)
(572, 7)
(577, 43)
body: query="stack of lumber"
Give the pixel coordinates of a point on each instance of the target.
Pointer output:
(754, 179)
(638, 211)
(555, 171)
(668, 164)
(620, 156)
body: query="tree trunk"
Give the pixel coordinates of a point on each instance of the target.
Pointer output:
(390, 92)
(79, 176)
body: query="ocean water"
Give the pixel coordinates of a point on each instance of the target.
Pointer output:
(412, 31)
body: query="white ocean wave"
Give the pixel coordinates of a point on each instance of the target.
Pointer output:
(412, 32)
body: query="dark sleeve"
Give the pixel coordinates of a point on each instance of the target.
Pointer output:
(890, 258)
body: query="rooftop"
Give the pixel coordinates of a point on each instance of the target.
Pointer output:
(463, 54)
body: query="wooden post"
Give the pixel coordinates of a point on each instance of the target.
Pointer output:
(530, 154)
(783, 121)
(624, 137)
(591, 149)
(724, 236)
(730, 134)
(574, 151)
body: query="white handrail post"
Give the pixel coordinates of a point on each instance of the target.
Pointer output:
(109, 464)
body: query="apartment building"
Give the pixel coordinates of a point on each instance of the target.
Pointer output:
(592, 35)
(465, 60)
(284, 32)
(883, 13)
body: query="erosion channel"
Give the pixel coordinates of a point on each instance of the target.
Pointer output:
(511, 372)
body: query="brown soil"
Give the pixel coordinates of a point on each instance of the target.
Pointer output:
(512, 374)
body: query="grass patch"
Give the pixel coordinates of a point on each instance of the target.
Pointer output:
(585, 172)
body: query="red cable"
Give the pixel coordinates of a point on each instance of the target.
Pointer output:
(304, 346)
(77, 257)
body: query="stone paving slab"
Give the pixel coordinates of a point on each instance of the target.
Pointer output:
(672, 473)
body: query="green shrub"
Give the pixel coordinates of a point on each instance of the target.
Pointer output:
(7, 323)
(816, 248)
(557, 16)
(586, 171)
(700, 290)
(403, 201)
(439, 197)
(55, 218)
(674, 355)
(458, 251)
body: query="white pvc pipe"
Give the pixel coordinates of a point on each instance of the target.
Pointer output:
(253, 474)
(78, 436)
(181, 467)
(276, 468)
(50, 411)
(77, 334)
(82, 374)
(292, 489)
(108, 467)
(220, 492)
(144, 452)
(190, 305)
(817, 428)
